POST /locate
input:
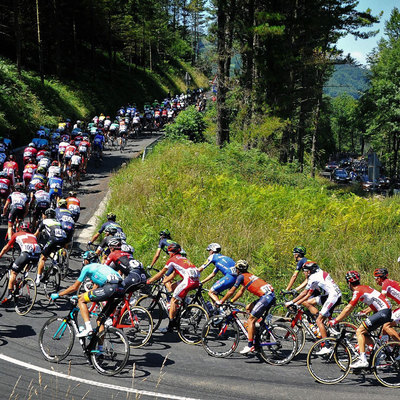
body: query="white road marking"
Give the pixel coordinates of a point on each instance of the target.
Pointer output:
(93, 383)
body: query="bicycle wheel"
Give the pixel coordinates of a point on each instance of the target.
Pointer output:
(52, 280)
(139, 328)
(25, 296)
(56, 339)
(3, 281)
(191, 322)
(386, 364)
(331, 367)
(300, 333)
(220, 336)
(153, 306)
(112, 357)
(277, 343)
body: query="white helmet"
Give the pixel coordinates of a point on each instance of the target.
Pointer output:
(215, 247)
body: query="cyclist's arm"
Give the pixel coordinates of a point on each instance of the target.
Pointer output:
(292, 280)
(72, 289)
(156, 256)
(366, 311)
(95, 236)
(170, 277)
(209, 277)
(301, 286)
(303, 296)
(345, 313)
(237, 295)
(7, 246)
(6, 206)
(158, 275)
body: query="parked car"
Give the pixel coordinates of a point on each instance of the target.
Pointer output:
(331, 165)
(340, 175)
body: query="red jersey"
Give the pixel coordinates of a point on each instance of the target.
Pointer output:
(73, 205)
(122, 260)
(41, 153)
(10, 167)
(27, 242)
(366, 294)
(183, 267)
(391, 288)
(30, 152)
(4, 187)
(70, 151)
(30, 169)
(254, 284)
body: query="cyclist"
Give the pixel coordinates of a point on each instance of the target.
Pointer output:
(75, 165)
(111, 232)
(377, 304)
(391, 289)
(61, 149)
(98, 143)
(30, 152)
(317, 279)
(111, 220)
(5, 187)
(40, 202)
(10, 167)
(19, 207)
(38, 177)
(257, 308)
(28, 172)
(74, 205)
(298, 253)
(64, 217)
(164, 242)
(84, 151)
(69, 152)
(190, 280)
(30, 251)
(121, 259)
(54, 170)
(107, 281)
(222, 263)
(55, 187)
(54, 236)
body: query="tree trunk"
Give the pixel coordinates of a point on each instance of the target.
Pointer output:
(56, 36)
(40, 48)
(17, 32)
(317, 112)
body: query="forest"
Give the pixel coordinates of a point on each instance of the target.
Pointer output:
(273, 62)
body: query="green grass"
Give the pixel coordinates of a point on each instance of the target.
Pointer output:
(256, 209)
(26, 104)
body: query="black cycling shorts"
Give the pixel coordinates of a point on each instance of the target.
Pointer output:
(53, 245)
(23, 259)
(135, 280)
(102, 293)
(263, 304)
(378, 319)
(16, 212)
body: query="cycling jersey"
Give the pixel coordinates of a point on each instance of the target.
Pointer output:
(64, 217)
(164, 243)
(29, 169)
(51, 229)
(300, 263)
(391, 288)
(11, 168)
(222, 263)
(183, 267)
(100, 274)
(4, 187)
(322, 280)
(42, 199)
(123, 261)
(99, 140)
(76, 160)
(62, 146)
(55, 185)
(84, 146)
(44, 163)
(18, 200)
(108, 223)
(36, 178)
(29, 152)
(53, 171)
(40, 154)
(69, 151)
(73, 205)
(26, 242)
(253, 284)
(369, 296)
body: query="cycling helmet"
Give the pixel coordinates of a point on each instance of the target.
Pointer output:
(111, 216)
(310, 266)
(62, 203)
(215, 247)
(24, 226)
(11, 157)
(114, 243)
(127, 248)
(31, 144)
(41, 170)
(55, 163)
(39, 186)
(111, 229)
(89, 255)
(242, 265)
(19, 186)
(174, 248)
(166, 233)
(300, 250)
(381, 273)
(352, 277)
(72, 194)
(183, 253)
(50, 213)
(67, 120)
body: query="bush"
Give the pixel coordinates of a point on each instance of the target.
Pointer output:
(189, 124)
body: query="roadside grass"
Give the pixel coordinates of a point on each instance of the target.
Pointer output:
(256, 209)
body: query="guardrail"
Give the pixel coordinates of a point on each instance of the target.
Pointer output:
(151, 146)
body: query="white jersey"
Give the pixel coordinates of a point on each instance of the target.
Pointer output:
(18, 199)
(322, 280)
(44, 162)
(54, 170)
(76, 160)
(62, 146)
(41, 196)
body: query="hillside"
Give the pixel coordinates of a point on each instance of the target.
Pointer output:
(25, 103)
(255, 208)
(349, 79)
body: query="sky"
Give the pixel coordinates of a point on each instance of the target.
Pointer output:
(359, 48)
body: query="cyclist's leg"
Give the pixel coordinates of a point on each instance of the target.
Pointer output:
(222, 284)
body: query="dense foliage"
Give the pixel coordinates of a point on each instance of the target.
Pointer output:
(255, 208)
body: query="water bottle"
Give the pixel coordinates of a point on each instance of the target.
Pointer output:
(108, 322)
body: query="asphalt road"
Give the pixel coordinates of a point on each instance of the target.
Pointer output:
(166, 368)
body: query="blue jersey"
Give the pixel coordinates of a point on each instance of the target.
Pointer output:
(222, 263)
(300, 264)
(64, 217)
(98, 140)
(55, 183)
(100, 274)
(164, 243)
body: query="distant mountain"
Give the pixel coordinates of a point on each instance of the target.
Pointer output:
(347, 78)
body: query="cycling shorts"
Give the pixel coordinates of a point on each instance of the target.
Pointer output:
(263, 304)
(330, 303)
(376, 320)
(102, 293)
(224, 283)
(40, 208)
(184, 287)
(74, 167)
(135, 280)
(16, 212)
(23, 259)
(396, 315)
(55, 192)
(52, 245)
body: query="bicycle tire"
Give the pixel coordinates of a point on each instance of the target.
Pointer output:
(56, 339)
(154, 307)
(331, 368)
(386, 364)
(115, 354)
(140, 332)
(301, 334)
(284, 347)
(25, 296)
(220, 336)
(191, 322)
(3, 281)
(52, 280)
(63, 264)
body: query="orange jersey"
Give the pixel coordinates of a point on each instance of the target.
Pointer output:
(254, 284)
(73, 201)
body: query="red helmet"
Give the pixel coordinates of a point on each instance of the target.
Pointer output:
(352, 277)
(174, 248)
(55, 163)
(381, 273)
(24, 226)
(39, 186)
